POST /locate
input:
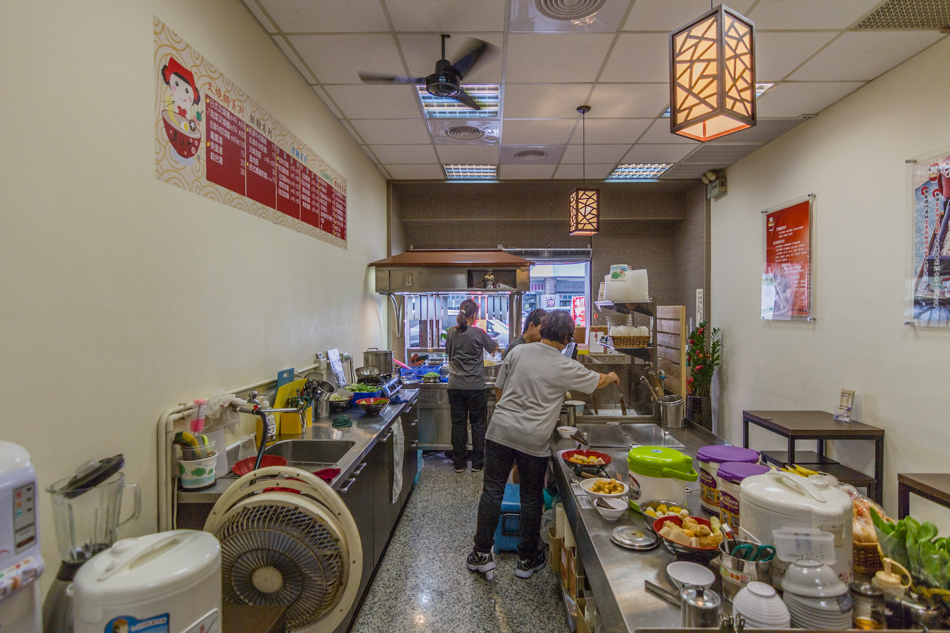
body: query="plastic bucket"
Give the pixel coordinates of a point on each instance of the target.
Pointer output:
(671, 411)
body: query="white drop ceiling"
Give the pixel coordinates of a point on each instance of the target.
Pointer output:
(617, 62)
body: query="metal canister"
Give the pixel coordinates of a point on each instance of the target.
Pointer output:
(699, 608)
(671, 412)
(382, 359)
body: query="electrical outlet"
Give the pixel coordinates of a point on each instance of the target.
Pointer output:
(408, 280)
(699, 305)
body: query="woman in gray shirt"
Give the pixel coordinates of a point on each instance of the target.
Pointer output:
(468, 398)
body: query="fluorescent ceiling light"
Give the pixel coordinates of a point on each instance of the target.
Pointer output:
(639, 171)
(471, 172)
(485, 96)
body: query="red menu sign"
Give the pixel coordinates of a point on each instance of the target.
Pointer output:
(309, 189)
(338, 214)
(288, 184)
(226, 147)
(786, 291)
(324, 202)
(261, 170)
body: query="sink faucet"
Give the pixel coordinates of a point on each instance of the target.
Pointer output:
(254, 408)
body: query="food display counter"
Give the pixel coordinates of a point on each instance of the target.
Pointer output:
(435, 414)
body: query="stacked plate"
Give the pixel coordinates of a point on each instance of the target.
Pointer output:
(820, 613)
(630, 537)
(761, 607)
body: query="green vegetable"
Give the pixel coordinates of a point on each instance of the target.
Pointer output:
(880, 523)
(362, 388)
(432, 374)
(927, 532)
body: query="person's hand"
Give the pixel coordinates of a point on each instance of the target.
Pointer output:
(614, 378)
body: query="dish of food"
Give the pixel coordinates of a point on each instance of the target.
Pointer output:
(692, 535)
(604, 487)
(661, 509)
(586, 458)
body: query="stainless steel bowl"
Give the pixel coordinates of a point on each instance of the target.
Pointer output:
(367, 372)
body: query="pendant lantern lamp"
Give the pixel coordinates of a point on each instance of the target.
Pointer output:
(585, 203)
(712, 76)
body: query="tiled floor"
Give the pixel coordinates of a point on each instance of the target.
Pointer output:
(423, 584)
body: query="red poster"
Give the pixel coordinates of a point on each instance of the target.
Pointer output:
(226, 147)
(261, 174)
(579, 311)
(324, 206)
(288, 184)
(786, 287)
(309, 190)
(339, 214)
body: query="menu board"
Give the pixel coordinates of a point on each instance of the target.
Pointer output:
(216, 141)
(786, 275)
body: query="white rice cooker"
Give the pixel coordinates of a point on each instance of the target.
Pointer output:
(168, 582)
(779, 499)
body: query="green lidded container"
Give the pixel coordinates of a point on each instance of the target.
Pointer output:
(659, 473)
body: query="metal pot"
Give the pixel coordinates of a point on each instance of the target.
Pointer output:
(671, 411)
(382, 359)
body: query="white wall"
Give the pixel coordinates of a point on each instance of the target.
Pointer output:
(852, 157)
(121, 295)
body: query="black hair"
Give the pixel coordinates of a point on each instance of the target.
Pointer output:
(558, 326)
(467, 310)
(534, 318)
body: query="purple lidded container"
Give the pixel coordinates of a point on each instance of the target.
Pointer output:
(730, 476)
(709, 458)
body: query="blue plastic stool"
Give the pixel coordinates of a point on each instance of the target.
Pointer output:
(508, 532)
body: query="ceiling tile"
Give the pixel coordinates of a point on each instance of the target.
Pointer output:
(352, 132)
(536, 132)
(595, 172)
(526, 172)
(794, 99)
(659, 132)
(446, 16)
(337, 59)
(720, 155)
(777, 54)
(670, 15)
(629, 101)
(392, 131)
(362, 101)
(862, 56)
(531, 154)
(325, 98)
(809, 14)
(294, 58)
(423, 51)
(536, 101)
(641, 57)
(691, 171)
(657, 153)
(595, 153)
(261, 16)
(404, 154)
(327, 16)
(609, 131)
(471, 155)
(416, 172)
(559, 57)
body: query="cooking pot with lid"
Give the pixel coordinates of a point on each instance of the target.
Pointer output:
(382, 359)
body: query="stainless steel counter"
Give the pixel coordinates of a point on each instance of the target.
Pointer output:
(616, 575)
(364, 432)
(435, 416)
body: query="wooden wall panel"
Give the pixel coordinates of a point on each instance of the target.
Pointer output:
(671, 346)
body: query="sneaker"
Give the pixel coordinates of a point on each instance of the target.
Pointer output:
(527, 566)
(477, 469)
(460, 468)
(480, 562)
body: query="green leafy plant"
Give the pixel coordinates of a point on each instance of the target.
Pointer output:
(703, 355)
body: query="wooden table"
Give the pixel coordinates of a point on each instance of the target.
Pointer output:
(932, 486)
(821, 426)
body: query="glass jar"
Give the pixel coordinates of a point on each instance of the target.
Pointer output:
(868, 606)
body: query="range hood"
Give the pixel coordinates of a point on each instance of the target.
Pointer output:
(426, 271)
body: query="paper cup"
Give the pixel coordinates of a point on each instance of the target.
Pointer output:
(197, 473)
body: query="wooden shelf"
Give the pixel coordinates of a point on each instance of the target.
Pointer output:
(645, 353)
(811, 459)
(643, 307)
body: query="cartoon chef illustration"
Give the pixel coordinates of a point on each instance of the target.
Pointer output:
(182, 131)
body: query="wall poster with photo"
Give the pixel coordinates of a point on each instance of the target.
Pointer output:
(930, 193)
(786, 272)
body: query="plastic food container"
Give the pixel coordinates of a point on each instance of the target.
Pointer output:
(197, 473)
(730, 476)
(657, 472)
(709, 458)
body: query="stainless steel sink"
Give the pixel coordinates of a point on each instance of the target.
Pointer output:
(627, 435)
(310, 454)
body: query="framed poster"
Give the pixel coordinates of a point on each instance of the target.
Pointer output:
(930, 194)
(786, 272)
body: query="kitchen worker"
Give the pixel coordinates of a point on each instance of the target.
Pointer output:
(532, 330)
(533, 379)
(468, 399)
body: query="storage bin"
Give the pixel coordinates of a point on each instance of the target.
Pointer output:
(709, 458)
(508, 532)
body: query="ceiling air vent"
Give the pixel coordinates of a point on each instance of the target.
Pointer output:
(569, 9)
(464, 133)
(531, 154)
(918, 15)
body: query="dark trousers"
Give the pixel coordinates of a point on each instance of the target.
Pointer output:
(531, 469)
(469, 406)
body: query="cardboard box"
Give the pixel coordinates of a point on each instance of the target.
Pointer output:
(565, 566)
(581, 622)
(554, 551)
(572, 572)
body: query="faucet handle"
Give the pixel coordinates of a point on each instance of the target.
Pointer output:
(252, 398)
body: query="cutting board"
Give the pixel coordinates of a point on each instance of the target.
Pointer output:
(285, 393)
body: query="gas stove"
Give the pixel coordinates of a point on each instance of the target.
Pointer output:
(390, 385)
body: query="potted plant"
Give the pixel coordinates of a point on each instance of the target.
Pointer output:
(703, 355)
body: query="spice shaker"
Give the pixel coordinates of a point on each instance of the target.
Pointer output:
(699, 608)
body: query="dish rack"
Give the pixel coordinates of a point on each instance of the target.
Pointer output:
(175, 419)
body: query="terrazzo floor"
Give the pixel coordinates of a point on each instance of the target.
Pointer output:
(423, 585)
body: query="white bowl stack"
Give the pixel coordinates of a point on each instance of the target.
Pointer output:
(761, 607)
(816, 597)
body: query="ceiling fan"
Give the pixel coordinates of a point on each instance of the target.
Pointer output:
(446, 81)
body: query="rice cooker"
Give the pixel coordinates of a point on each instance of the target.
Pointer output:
(779, 499)
(168, 582)
(658, 473)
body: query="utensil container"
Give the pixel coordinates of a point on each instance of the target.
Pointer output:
(737, 572)
(197, 473)
(671, 411)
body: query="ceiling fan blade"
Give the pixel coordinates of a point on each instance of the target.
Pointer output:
(466, 99)
(373, 78)
(477, 51)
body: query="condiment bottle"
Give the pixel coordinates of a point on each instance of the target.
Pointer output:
(892, 587)
(868, 606)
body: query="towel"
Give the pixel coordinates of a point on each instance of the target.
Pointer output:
(219, 412)
(342, 421)
(399, 441)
